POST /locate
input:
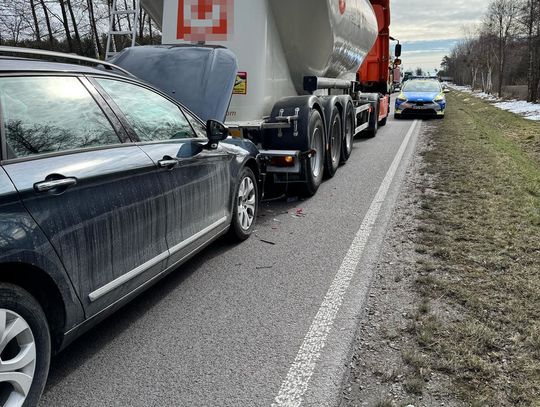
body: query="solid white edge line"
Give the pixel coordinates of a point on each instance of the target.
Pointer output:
(296, 383)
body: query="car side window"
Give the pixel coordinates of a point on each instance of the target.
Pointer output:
(199, 127)
(51, 114)
(152, 116)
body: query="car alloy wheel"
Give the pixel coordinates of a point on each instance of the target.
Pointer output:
(17, 358)
(246, 203)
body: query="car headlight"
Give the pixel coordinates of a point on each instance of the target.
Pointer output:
(402, 97)
(439, 98)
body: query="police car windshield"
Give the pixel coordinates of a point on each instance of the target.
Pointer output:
(422, 86)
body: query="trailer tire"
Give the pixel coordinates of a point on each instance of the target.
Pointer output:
(335, 136)
(372, 132)
(383, 121)
(348, 136)
(314, 165)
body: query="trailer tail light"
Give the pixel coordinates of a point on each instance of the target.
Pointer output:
(285, 161)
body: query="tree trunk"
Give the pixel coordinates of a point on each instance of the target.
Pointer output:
(530, 48)
(474, 75)
(142, 18)
(501, 62)
(74, 24)
(66, 25)
(93, 28)
(128, 16)
(150, 29)
(489, 80)
(112, 25)
(36, 22)
(48, 22)
(536, 56)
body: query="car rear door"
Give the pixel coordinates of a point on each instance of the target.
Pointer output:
(197, 180)
(96, 197)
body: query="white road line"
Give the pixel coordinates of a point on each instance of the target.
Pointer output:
(296, 383)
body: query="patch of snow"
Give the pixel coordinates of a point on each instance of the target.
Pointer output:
(530, 111)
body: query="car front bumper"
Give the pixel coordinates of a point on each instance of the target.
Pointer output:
(420, 109)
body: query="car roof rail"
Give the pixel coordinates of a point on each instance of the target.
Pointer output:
(53, 56)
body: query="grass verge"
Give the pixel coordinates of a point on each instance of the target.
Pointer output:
(479, 240)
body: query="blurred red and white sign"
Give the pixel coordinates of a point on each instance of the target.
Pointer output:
(205, 20)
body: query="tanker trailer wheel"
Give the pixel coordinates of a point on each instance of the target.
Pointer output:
(315, 164)
(334, 139)
(373, 122)
(383, 121)
(348, 138)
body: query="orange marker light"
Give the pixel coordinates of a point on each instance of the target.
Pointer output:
(285, 161)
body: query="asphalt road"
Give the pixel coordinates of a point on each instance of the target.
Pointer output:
(225, 329)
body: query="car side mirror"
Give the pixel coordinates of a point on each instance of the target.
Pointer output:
(216, 132)
(446, 90)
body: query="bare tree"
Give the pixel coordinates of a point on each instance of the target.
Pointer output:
(74, 25)
(502, 19)
(66, 24)
(93, 28)
(531, 23)
(36, 21)
(48, 21)
(70, 25)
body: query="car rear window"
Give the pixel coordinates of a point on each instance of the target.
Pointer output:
(51, 114)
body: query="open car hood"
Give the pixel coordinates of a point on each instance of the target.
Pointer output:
(200, 77)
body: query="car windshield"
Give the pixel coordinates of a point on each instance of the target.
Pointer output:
(422, 86)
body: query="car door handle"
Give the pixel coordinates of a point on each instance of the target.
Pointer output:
(168, 162)
(45, 186)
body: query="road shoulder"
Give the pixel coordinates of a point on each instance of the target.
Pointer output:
(384, 364)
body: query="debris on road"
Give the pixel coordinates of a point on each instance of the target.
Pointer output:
(264, 267)
(266, 241)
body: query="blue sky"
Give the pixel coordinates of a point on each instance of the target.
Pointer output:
(429, 28)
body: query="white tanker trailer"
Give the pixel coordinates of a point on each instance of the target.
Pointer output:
(295, 94)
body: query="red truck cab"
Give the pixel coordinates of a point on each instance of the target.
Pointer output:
(374, 74)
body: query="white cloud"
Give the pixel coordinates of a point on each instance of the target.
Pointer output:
(414, 20)
(433, 23)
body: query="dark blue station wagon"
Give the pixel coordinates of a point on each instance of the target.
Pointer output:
(106, 184)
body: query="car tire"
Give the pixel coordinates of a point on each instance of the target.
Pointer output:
(397, 116)
(314, 166)
(348, 134)
(24, 315)
(335, 137)
(246, 206)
